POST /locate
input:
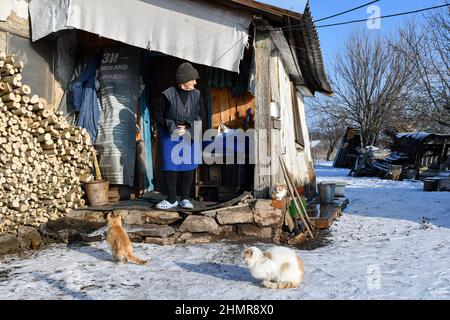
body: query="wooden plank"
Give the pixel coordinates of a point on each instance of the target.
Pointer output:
(232, 110)
(239, 122)
(243, 103)
(224, 110)
(262, 179)
(216, 107)
(287, 55)
(274, 77)
(228, 109)
(321, 223)
(297, 239)
(262, 7)
(324, 220)
(277, 173)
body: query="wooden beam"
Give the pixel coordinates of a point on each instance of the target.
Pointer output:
(258, 7)
(262, 120)
(288, 56)
(275, 95)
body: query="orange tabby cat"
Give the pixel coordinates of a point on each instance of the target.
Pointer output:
(118, 240)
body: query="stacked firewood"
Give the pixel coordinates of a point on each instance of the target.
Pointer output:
(43, 160)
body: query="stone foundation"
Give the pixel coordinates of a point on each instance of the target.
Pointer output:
(257, 220)
(25, 238)
(254, 220)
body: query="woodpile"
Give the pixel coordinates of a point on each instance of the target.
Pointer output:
(43, 160)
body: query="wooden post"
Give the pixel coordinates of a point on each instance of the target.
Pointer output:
(262, 179)
(276, 173)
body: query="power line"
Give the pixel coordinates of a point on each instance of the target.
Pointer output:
(296, 26)
(381, 17)
(344, 12)
(335, 15)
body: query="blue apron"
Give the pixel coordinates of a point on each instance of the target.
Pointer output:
(189, 161)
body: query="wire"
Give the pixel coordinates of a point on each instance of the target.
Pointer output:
(231, 48)
(337, 14)
(297, 26)
(381, 17)
(344, 12)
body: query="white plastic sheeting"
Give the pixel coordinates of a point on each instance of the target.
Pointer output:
(198, 32)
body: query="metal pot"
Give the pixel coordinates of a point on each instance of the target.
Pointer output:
(326, 192)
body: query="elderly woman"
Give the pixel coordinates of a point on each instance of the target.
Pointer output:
(179, 107)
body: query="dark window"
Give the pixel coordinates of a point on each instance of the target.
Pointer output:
(297, 122)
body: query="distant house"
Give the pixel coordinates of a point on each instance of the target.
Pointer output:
(257, 63)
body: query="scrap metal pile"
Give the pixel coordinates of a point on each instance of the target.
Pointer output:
(371, 162)
(414, 155)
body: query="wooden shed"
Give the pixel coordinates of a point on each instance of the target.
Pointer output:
(279, 65)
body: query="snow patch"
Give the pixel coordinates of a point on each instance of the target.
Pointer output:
(393, 242)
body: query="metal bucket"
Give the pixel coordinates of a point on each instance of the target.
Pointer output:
(97, 192)
(326, 192)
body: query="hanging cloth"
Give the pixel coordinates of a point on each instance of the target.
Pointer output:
(85, 101)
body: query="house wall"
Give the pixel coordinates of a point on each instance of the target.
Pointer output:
(64, 63)
(274, 87)
(39, 56)
(14, 19)
(297, 158)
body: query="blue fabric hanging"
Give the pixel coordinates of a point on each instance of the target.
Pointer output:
(85, 100)
(146, 122)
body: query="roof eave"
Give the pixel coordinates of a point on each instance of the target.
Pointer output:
(258, 8)
(305, 41)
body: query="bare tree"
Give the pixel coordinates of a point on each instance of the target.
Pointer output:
(427, 49)
(330, 132)
(369, 82)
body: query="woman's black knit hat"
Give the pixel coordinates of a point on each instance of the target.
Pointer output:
(186, 72)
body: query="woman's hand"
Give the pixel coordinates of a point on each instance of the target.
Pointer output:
(181, 130)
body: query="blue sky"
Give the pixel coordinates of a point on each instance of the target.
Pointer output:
(332, 37)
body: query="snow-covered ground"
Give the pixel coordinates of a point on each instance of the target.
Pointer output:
(393, 242)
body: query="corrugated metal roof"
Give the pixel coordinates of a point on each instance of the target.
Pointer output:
(420, 136)
(309, 53)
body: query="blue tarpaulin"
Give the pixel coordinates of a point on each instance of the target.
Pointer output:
(85, 100)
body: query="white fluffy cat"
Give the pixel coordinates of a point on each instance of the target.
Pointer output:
(278, 268)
